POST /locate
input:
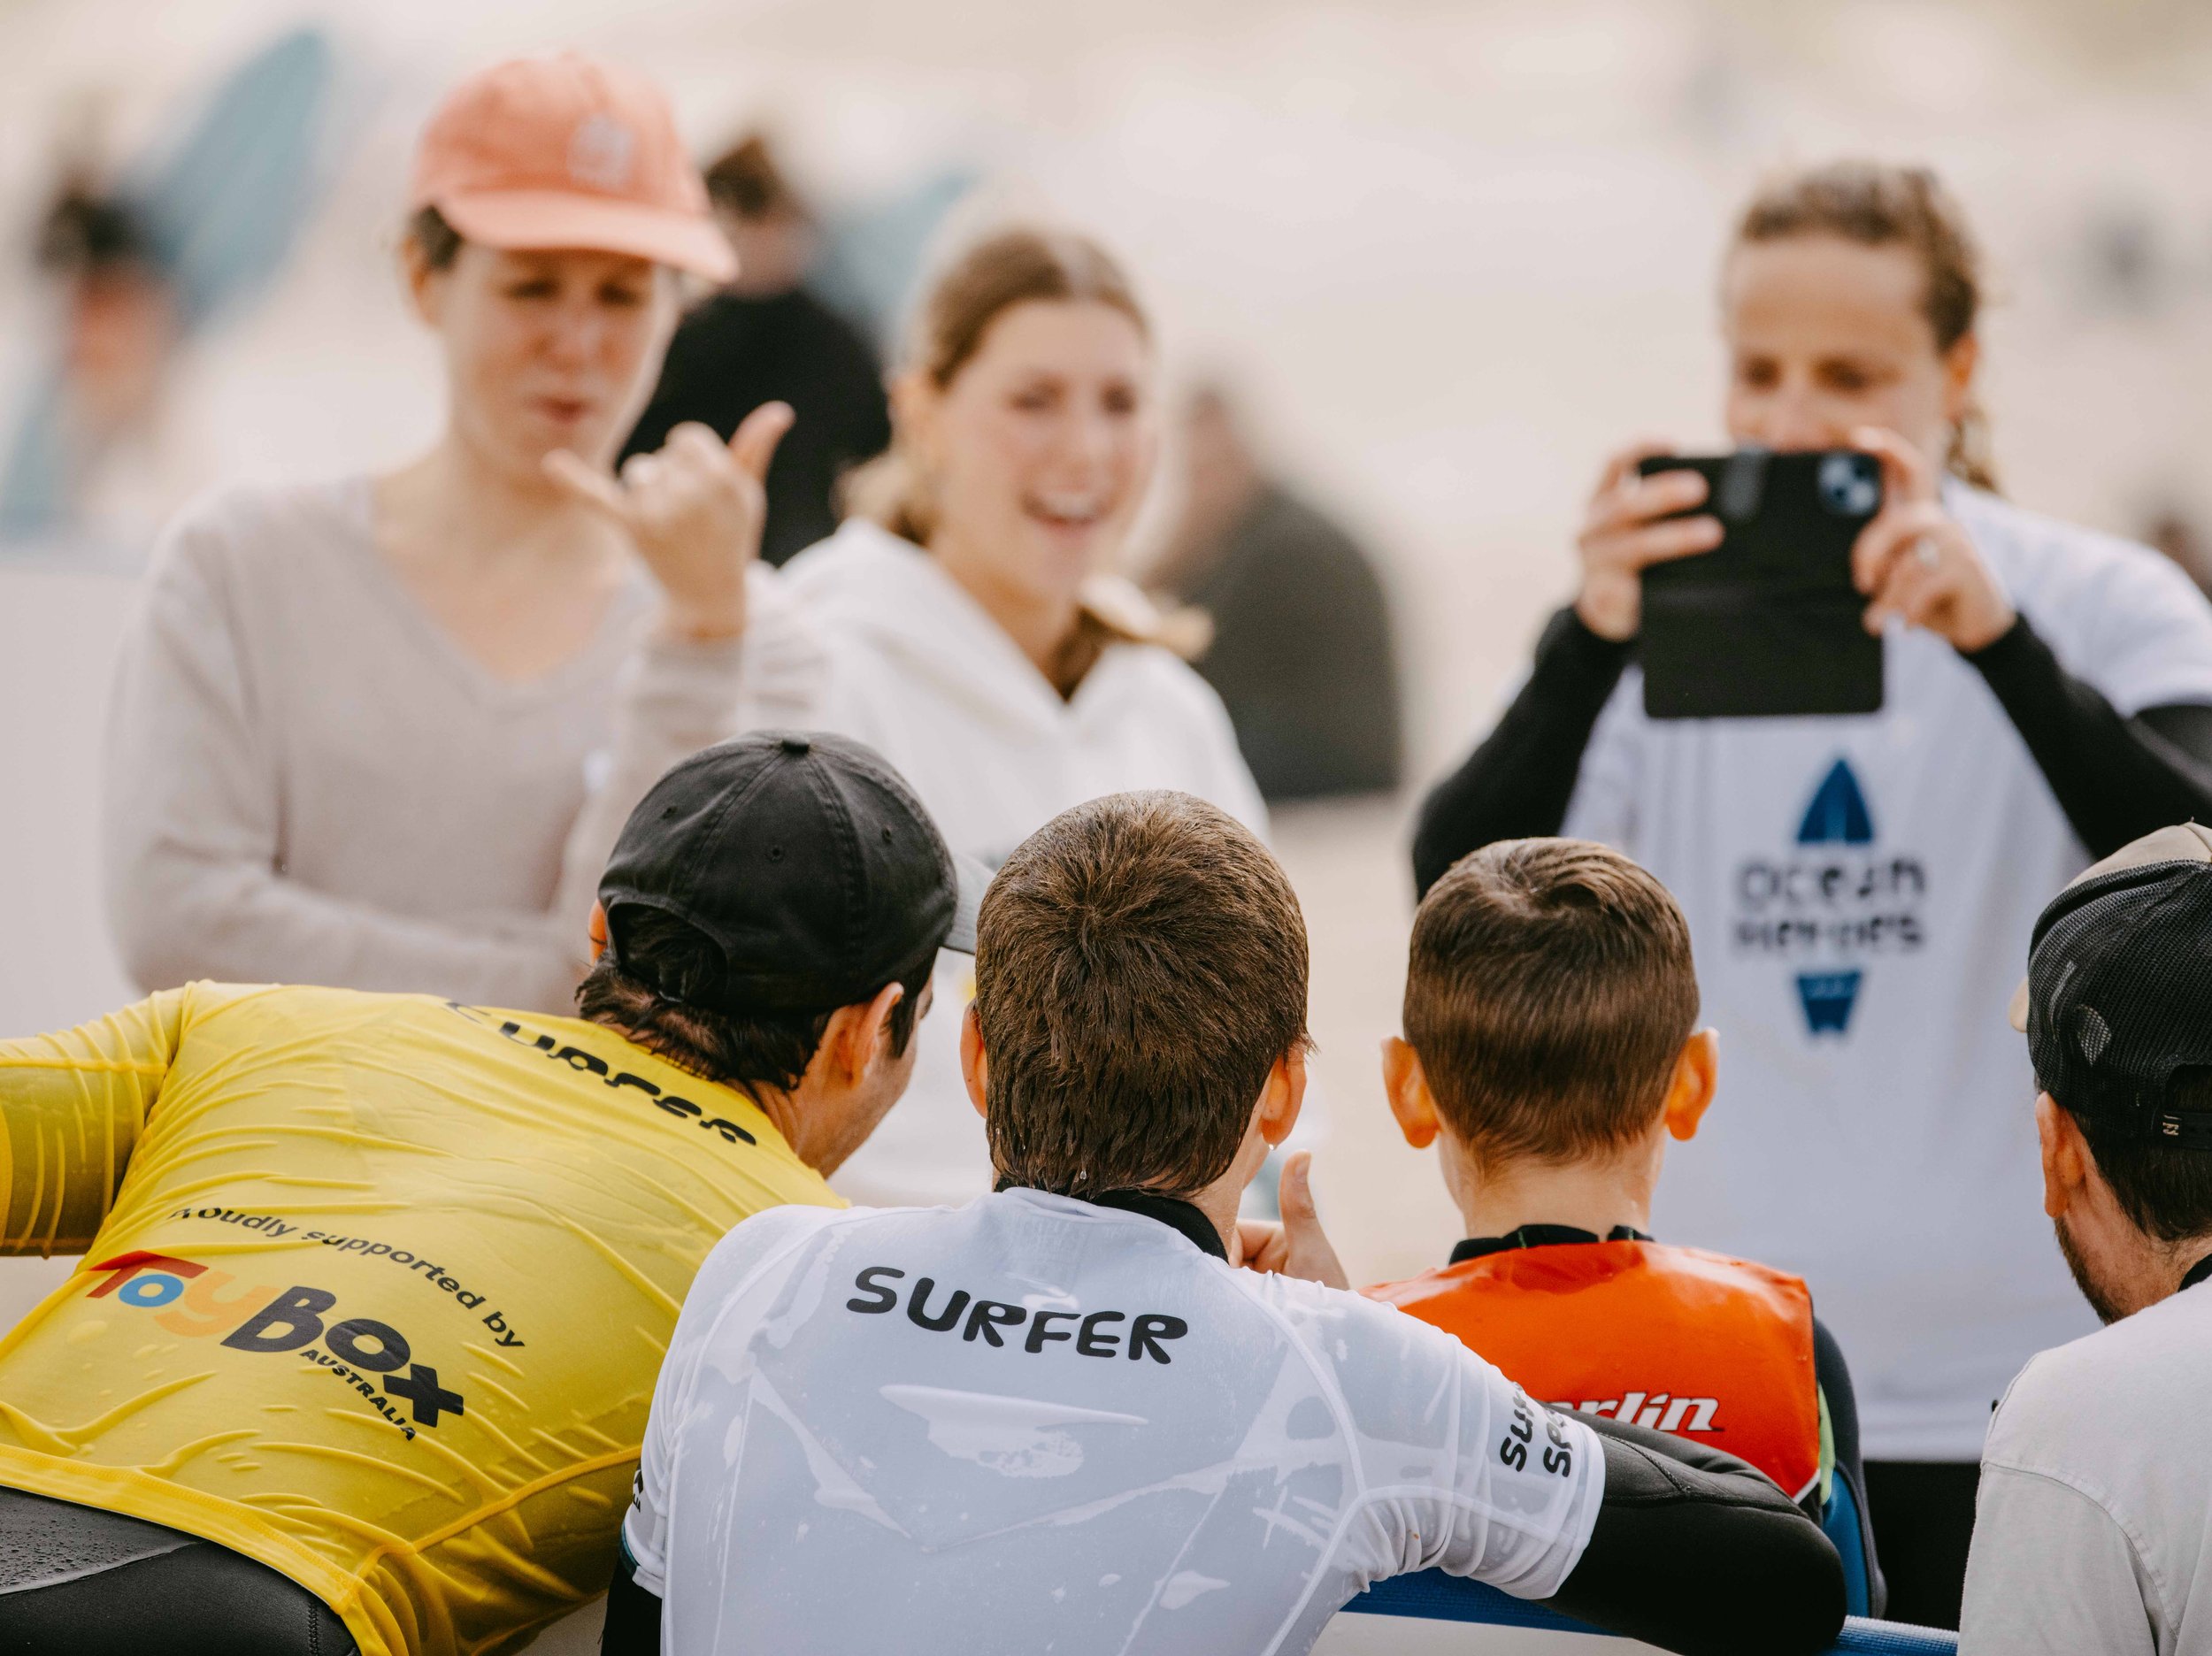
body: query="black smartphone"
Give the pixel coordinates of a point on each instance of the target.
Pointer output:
(1768, 624)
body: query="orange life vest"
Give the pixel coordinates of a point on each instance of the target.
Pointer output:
(1716, 1350)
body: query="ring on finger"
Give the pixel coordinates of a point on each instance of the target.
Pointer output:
(1926, 550)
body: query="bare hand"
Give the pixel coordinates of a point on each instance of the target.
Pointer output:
(1914, 561)
(694, 510)
(1627, 528)
(1298, 1246)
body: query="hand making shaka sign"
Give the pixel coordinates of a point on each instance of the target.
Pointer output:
(694, 510)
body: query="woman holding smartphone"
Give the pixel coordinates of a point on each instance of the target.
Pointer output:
(351, 732)
(1861, 888)
(962, 621)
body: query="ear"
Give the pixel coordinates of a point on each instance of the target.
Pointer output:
(1690, 1089)
(1283, 1096)
(598, 932)
(974, 1067)
(2067, 1161)
(866, 1032)
(1407, 1085)
(1959, 363)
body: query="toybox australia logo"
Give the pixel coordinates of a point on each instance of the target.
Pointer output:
(1832, 902)
(198, 1301)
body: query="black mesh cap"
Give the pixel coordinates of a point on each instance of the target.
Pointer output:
(804, 858)
(2119, 987)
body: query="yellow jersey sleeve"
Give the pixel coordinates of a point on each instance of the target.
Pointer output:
(381, 1291)
(73, 1105)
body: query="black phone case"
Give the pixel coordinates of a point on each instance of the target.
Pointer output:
(1767, 625)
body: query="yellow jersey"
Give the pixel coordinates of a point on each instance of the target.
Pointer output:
(375, 1287)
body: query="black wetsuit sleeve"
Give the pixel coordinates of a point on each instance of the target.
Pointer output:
(1834, 1377)
(633, 1614)
(1518, 782)
(2115, 778)
(1695, 1552)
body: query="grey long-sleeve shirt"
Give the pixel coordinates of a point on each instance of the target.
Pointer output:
(306, 781)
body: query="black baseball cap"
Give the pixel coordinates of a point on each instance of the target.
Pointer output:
(805, 858)
(2119, 983)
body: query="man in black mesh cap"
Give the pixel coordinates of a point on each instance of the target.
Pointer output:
(2093, 1525)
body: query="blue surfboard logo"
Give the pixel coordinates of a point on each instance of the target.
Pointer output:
(1838, 813)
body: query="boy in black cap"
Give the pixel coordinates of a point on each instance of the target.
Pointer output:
(376, 1285)
(2093, 1525)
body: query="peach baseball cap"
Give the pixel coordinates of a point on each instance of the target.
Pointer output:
(568, 152)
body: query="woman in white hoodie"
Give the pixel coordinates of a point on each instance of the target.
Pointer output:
(964, 622)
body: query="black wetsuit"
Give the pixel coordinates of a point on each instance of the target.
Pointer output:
(90, 1583)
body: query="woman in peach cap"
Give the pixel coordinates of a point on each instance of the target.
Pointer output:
(355, 719)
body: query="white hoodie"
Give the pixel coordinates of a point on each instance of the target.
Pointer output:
(866, 635)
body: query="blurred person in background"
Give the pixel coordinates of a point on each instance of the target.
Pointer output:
(963, 621)
(1302, 653)
(353, 719)
(1857, 884)
(141, 257)
(92, 462)
(766, 338)
(2174, 531)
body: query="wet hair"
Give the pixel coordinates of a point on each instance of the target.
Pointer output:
(1011, 267)
(1140, 966)
(765, 1046)
(1876, 204)
(1549, 992)
(438, 242)
(748, 181)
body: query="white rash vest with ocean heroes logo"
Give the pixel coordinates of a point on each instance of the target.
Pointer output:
(1032, 1423)
(1860, 892)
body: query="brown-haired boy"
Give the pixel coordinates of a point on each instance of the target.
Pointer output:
(1551, 1049)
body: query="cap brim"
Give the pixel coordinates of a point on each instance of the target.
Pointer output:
(2183, 842)
(518, 219)
(972, 878)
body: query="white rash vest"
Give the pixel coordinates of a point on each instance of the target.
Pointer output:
(1034, 1423)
